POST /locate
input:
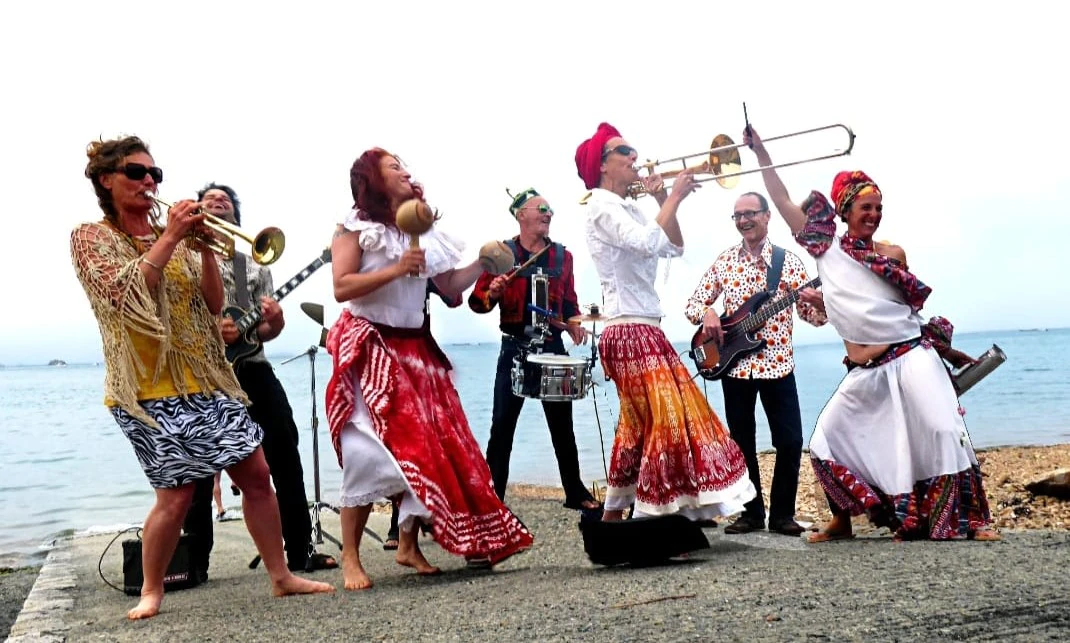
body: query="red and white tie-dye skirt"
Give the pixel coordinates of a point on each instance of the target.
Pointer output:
(404, 380)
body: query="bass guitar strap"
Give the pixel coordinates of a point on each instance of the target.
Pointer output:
(241, 282)
(772, 278)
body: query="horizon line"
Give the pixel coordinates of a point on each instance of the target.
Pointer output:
(491, 343)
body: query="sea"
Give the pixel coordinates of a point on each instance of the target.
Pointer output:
(67, 470)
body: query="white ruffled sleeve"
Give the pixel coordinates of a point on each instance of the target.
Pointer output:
(442, 250)
(373, 235)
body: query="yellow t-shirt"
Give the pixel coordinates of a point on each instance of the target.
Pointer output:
(148, 350)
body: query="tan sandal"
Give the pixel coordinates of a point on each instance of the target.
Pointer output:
(986, 535)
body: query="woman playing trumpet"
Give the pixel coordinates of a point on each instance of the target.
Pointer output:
(168, 383)
(396, 420)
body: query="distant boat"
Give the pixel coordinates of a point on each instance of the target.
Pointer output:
(57, 362)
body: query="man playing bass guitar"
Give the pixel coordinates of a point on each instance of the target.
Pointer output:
(747, 269)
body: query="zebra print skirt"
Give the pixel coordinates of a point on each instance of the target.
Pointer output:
(198, 436)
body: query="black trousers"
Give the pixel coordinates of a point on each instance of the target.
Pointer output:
(506, 412)
(780, 399)
(271, 410)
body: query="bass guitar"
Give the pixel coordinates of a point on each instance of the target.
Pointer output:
(248, 343)
(713, 361)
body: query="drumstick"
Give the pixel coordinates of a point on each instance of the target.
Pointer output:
(512, 273)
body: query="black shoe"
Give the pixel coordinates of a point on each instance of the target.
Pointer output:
(745, 525)
(787, 527)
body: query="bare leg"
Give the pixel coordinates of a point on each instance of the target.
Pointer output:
(353, 521)
(261, 512)
(613, 516)
(409, 554)
(160, 535)
(217, 494)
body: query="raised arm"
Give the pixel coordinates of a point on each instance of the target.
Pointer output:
(792, 213)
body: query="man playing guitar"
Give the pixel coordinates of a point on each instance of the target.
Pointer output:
(247, 285)
(740, 273)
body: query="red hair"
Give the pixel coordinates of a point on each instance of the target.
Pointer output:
(369, 189)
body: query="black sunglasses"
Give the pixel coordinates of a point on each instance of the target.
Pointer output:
(137, 171)
(623, 150)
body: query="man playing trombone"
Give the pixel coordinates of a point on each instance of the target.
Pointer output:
(510, 293)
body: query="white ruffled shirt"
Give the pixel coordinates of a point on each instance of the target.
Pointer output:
(399, 303)
(625, 247)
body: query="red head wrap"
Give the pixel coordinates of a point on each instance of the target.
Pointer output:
(848, 186)
(589, 155)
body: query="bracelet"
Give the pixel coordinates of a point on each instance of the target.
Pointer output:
(146, 260)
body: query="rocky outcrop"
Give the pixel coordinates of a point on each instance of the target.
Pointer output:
(1055, 484)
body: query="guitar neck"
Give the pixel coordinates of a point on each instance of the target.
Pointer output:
(768, 311)
(253, 317)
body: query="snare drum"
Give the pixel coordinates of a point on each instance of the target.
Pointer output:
(550, 378)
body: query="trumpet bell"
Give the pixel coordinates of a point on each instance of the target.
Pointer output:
(725, 160)
(267, 245)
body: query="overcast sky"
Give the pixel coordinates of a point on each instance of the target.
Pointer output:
(958, 108)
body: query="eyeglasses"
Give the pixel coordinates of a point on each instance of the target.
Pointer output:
(746, 214)
(623, 150)
(543, 209)
(137, 172)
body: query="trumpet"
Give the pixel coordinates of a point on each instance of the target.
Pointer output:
(722, 163)
(219, 237)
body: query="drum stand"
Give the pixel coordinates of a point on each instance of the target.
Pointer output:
(318, 534)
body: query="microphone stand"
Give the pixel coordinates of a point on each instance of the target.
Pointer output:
(318, 534)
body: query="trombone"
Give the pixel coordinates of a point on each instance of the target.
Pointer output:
(266, 247)
(722, 162)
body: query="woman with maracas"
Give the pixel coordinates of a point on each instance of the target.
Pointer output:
(395, 417)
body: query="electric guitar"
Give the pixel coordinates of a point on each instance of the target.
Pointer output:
(248, 343)
(713, 361)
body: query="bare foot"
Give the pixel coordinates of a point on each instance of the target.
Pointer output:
(291, 584)
(147, 607)
(986, 535)
(839, 528)
(354, 575)
(416, 560)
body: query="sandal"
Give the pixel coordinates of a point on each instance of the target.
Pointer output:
(986, 535)
(585, 504)
(317, 561)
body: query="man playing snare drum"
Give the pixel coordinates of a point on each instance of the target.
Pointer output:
(512, 293)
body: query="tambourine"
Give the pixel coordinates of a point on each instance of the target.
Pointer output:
(496, 258)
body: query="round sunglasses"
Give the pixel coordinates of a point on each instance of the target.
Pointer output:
(543, 209)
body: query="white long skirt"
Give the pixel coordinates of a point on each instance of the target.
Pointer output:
(895, 424)
(370, 472)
